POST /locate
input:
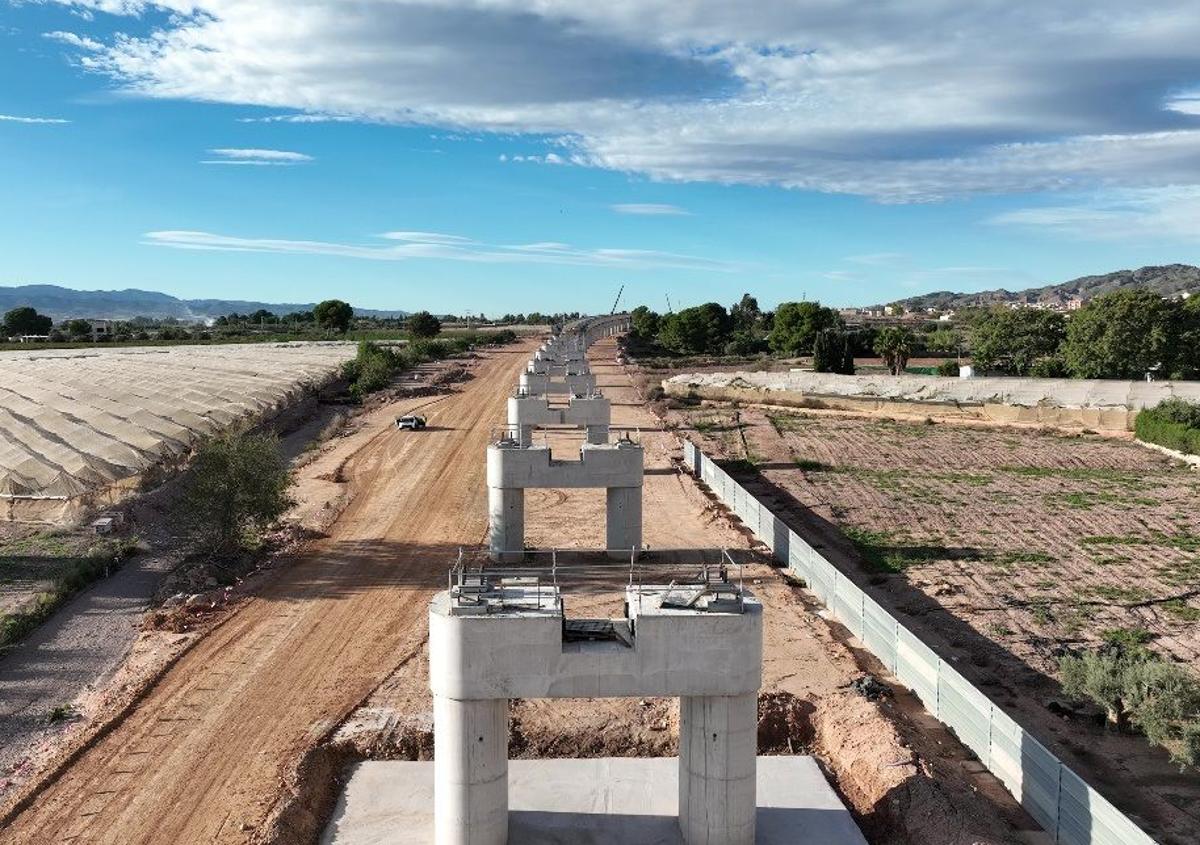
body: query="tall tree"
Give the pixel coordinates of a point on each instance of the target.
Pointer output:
(1122, 335)
(1011, 341)
(693, 331)
(1187, 365)
(894, 344)
(334, 315)
(745, 316)
(423, 324)
(645, 323)
(26, 320)
(796, 325)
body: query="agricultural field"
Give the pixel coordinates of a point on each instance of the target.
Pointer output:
(83, 428)
(1003, 547)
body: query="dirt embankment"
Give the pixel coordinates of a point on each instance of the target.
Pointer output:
(159, 731)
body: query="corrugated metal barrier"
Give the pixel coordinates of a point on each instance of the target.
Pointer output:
(1058, 799)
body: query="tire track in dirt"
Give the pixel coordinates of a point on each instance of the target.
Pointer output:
(206, 754)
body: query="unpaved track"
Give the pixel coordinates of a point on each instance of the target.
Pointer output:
(202, 758)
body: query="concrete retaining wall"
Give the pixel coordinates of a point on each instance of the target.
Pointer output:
(1067, 403)
(1055, 796)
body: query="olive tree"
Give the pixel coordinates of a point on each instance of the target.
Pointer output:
(238, 488)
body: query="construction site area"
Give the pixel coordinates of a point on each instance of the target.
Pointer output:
(536, 617)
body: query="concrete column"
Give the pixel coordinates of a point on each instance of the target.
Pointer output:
(597, 434)
(525, 435)
(506, 523)
(718, 740)
(623, 530)
(470, 772)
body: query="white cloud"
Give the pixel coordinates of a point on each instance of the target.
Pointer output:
(901, 102)
(650, 208)
(434, 245)
(12, 118)
(1156, 215)
(255, 157)
(548, 158)
(73, 40)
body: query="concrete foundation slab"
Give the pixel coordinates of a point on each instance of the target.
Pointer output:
(589, 802)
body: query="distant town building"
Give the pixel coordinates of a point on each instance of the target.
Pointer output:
(101, 328)
(1074, 303)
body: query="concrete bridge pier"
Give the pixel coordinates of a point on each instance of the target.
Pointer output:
(471, 771)
(512, 469)
(718, 738)
(506, 523)
(623, 530)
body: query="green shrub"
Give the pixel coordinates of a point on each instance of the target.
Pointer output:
(1137, 687)
(1173, 423)
(1052, 366)
(372, 368)
(428, 350)
(238, 488)
(948, 368)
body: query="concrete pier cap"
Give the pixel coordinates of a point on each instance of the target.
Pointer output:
(512, 469)
(536, 384)
(493, 638)
(592, 412)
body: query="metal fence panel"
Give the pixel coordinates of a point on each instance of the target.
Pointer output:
(1086, 818)
(800, 557)
(879, 632)
(917, 668)
(1026, 768)
(848, 604)
(965, 710)
(1057, 798)
(822, 579)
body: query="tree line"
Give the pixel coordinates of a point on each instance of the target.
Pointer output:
(331, 317)
(1124, 334)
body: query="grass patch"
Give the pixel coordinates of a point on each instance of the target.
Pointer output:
(1182, 611)
(1010, 562)
(885, 552)
(1128, 479)
(809, 465)
(79, 571)
(1126, 637)
(1183, 540)
(787, 422)
(1122, 595)
(1184, 574)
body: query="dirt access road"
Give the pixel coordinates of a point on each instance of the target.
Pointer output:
(203, 757)
(210, 755)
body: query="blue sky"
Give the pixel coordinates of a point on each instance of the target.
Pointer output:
(462, 155)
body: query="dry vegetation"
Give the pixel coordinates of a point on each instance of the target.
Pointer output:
(1007, 548)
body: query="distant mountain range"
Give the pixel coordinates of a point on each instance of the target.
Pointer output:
(1169, 280)
(63, 303)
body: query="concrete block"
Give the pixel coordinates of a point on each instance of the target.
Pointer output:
(597, 801)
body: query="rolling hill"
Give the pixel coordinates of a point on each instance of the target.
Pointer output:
(1169, 280)
(64, 303)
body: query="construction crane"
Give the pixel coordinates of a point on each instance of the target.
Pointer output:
(669, 304)
(617, 301)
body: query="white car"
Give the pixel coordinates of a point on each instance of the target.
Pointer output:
(412, 422)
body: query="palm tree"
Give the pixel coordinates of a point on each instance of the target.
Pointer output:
(894, 345)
